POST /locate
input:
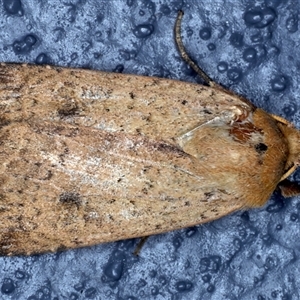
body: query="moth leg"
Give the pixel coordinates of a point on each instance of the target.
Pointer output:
(140, 245)
(184, 54)
(288, 172)
(289, 189)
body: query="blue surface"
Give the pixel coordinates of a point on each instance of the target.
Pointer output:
(251, 47)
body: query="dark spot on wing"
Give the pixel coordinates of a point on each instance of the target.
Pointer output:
(11, 240)
(70, 198)
(167, 148)
(261, 148)
(4, 122)
(206, 111)
(68, 109)
(6, 77)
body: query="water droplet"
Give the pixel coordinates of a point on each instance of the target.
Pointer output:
(184, 286)
(211, 47)
(294, 217)
(20, 274)
(130, 2)
(253, 17)
(44, 293)
(206, 278)
(163, 280)
(30, 40)
(79, 287)
(236, 39)
(234, 74)
(189, 32)
(275, 207)
(260, 18)
(98, 36)
(74, 296)
(292, 23)
(8, 286)
(90, 293)
(274, 294)
(154, 290)
(25, 45)
(256, 38)
(13, 7)
(279, 83)
(152, 273)
(270, 263)
(210, 264)
(205, 33)
(74, 56)
(143, 31)
(250, 55)
(237, 244)
(222, 67)
(269, 15)
(42, 59)
(211, 288)
(177, 242)
(290, 109)
(261, 51)
(119, 68)
(97, 55)
(114, 270)
(191, 231)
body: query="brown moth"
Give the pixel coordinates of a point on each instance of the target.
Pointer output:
(91, 157)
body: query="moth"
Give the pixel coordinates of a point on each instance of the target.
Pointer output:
(89, 157)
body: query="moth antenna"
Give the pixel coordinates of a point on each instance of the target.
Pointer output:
(280, 119)
(184, 54)
(207, 80)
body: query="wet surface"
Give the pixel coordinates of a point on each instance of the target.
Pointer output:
(249, 47)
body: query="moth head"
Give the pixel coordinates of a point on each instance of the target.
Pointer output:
(292, 136)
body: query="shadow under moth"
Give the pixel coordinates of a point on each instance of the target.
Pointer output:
(90, 157)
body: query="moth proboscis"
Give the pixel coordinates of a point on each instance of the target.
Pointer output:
(91, 157)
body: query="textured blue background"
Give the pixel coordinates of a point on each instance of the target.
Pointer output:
(252, 47)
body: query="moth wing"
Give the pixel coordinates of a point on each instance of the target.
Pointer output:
(154, 107)
(66, 186)
(92, 157)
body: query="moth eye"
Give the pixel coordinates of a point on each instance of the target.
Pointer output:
(261, 147)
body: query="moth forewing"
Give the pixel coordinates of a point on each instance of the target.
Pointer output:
(91, 173)
(91, 157)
